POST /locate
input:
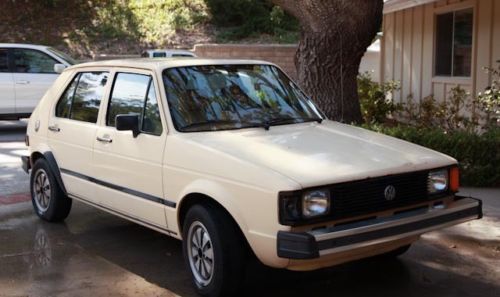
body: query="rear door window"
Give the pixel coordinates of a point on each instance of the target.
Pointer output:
(82, 98)
(135, 94)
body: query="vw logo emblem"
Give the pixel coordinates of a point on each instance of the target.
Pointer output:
(390, 193)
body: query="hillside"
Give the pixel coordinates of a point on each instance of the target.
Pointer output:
(85, 28)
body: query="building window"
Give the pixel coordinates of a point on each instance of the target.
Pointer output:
(454, 43)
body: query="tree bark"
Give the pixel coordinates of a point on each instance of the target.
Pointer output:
(334, 37)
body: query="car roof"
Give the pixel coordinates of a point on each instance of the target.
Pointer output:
(162, 63)
(23, 45)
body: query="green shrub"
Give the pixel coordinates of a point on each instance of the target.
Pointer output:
(244, 18)
(478, 154)
(376, 105)
(489, 100)
(457, 113)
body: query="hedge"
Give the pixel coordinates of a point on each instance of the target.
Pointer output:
(478, 154)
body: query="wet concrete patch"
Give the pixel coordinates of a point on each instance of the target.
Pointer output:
(96, 254)
(14, 198)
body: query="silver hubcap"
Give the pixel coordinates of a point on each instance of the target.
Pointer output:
(201, 253)
(41, 190)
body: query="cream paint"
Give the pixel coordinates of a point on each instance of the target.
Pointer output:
(243, 170)
(143, 171)
(314, 154)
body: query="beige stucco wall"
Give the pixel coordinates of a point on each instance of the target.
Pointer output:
(408, 48)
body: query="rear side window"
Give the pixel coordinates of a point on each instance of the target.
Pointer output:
(83, 96)
(135, 94)
(33, 61)
(63, 107)
(4, 60)
(159, 55)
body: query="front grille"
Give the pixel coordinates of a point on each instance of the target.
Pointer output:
(367, 196)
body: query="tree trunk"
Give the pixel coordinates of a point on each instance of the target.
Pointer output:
(334, 37)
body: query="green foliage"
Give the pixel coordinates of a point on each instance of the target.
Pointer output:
(489, 100)
(157, 20)
(456, 113)
(376, 105)
(245, 18)
(478, 154)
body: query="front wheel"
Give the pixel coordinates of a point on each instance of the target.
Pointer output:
(397, 252)
(214, 251)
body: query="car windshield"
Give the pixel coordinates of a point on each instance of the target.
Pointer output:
(224, 97)
(63, 56)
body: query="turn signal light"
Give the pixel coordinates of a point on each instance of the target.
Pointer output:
(454, 179)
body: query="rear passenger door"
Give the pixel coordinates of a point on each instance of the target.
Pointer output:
(7, 94)
(33, 75)
(72, 131)
(128, 168)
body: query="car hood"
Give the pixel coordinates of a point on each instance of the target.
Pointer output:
(315, 154)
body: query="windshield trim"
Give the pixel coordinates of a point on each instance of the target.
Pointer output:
(63, 56)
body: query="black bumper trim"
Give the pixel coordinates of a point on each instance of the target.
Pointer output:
(297, 245)
(392, 231)
(26, 163)
(304, 245)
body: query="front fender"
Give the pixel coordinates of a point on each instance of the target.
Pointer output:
(217, 192)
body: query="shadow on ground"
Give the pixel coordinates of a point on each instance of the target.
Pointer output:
(96, 250)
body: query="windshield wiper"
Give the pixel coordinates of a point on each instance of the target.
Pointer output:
(246, 124)
(279, 121)
(318, 119)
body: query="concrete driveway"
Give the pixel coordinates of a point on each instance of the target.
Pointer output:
(96, 254)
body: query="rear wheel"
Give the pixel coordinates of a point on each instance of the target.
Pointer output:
(214, 251)
(48, 199)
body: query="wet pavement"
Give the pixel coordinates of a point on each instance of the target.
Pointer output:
(93, 253)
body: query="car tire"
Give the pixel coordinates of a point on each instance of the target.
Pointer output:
(49, 201)
(397, 252)
(214, 251)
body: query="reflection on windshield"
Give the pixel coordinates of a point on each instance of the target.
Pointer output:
(220, 97)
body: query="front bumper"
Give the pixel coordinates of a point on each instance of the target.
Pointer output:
(337, 239)
(26, 163)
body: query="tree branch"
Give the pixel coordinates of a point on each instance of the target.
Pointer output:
(289, 6)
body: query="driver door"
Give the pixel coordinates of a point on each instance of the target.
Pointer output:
(128, 168)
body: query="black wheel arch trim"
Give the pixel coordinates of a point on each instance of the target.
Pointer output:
(54, 168)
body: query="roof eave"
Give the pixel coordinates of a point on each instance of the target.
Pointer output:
(397, 5)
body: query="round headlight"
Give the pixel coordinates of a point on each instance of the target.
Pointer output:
(438, 181)
(315, 203)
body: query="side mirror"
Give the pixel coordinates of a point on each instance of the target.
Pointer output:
(59, 68)
(128, 122)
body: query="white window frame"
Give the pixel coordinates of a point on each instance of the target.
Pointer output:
(448, 9)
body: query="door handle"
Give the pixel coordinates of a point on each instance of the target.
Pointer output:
(54, 128)
(23, 82)
(106, 140)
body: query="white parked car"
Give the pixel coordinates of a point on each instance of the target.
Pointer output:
(230, 156)
(166, 53)
(26, 72)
